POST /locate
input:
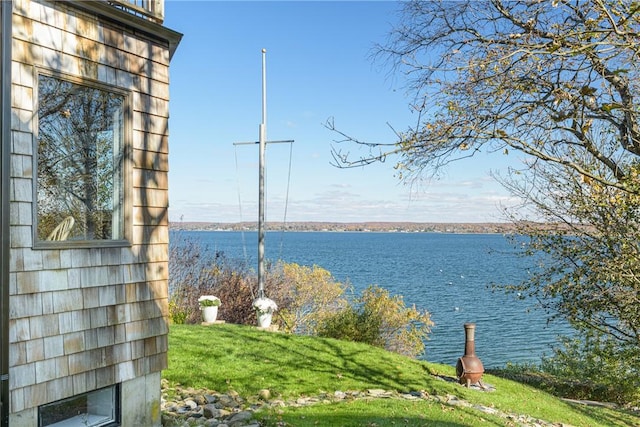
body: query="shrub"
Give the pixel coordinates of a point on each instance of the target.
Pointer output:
(306, 296)
(237, 292)
(177, 314)
(596, 368)
(380, 319)
(582, 369)
(194, 271)
(352, 324)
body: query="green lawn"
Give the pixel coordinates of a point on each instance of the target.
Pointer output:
(246, 360)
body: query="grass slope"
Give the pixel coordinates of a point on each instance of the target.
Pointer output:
(246, 360)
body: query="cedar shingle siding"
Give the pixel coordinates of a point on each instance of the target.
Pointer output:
(84, 318)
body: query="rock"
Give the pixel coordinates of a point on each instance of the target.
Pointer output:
(171, 407)
(189, 407)
(184, 410)
(378, 393)
(224, 413)
(238, 419)
(200, 399)
(191, 404)
(210, 411)
(410, 396)
(228, 401)
(486, 409)
(264, 394)
(455, 401)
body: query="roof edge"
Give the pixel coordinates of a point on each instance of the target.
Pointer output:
(105, 10)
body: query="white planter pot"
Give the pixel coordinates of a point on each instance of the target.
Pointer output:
(209, 314)
(264, 320)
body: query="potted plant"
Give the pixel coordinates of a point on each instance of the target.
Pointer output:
(209, 306)
(264, 310)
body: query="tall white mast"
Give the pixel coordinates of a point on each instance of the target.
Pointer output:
(262, 142)
(261, 166)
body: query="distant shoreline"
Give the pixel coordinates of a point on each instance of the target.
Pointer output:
(372, 226)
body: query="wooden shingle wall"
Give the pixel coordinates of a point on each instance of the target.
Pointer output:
(82, 319)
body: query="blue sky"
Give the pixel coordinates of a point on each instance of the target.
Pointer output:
(318, 66)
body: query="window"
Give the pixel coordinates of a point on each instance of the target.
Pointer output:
(80, 162)
(94, 409)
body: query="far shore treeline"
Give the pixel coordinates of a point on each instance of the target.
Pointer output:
(425, 227)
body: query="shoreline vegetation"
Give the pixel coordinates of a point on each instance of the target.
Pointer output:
(371, 226)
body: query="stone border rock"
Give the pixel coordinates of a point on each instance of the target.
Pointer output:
(186, 407)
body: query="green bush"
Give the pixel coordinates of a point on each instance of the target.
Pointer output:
(583, 369)
(352, 324)
(305, 296)
(177, 314)
(378, 318)
(595, 367)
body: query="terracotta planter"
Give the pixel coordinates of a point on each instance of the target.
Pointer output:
(209, 314)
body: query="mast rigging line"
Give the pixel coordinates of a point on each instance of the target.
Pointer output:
(286, 200)
(244, 243)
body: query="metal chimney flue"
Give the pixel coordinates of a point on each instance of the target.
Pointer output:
(469, 368)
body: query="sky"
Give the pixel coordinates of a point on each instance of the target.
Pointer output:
(318, 67)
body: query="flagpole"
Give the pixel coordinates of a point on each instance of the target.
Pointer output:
(261, 177)
(262, 142)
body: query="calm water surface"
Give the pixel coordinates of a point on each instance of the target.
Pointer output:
(446, 274)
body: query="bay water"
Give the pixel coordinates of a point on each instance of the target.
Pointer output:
(449, 275)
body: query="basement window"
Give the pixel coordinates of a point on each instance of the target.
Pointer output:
(94, 409)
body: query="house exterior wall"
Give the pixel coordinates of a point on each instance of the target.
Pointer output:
(85, 318)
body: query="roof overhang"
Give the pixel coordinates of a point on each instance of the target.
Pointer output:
(138, 24)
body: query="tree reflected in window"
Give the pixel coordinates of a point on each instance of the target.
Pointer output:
(80, 161)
